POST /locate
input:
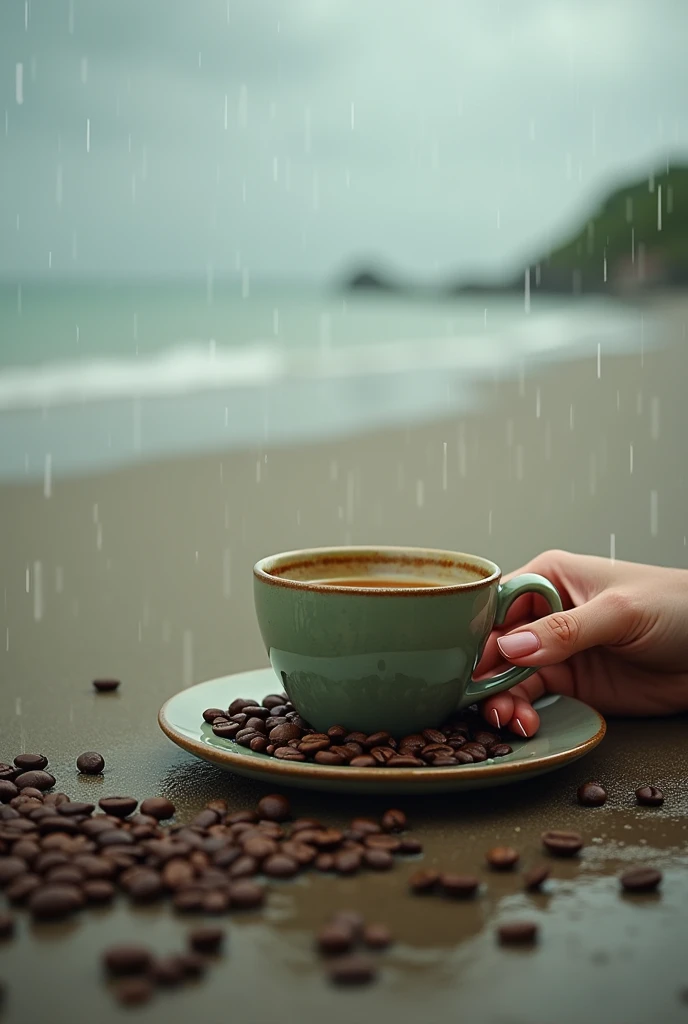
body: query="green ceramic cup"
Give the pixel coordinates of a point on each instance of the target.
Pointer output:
(391, 656)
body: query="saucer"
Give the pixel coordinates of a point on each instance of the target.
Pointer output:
(568, 730)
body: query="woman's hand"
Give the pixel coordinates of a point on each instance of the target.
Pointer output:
(621, 643)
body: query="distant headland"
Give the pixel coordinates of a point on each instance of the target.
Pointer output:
(635, 241)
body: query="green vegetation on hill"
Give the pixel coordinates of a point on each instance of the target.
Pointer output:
(637, 239)
(641, 232)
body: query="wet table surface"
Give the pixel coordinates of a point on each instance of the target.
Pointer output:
(602, 955)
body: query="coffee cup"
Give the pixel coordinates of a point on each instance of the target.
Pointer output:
(385, 638)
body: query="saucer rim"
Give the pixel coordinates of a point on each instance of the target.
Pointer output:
(264, 764)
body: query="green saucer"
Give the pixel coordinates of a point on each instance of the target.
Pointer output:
(569, 729)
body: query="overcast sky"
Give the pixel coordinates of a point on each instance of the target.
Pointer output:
(296, 137)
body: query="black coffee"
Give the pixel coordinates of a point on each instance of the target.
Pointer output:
(382, 582)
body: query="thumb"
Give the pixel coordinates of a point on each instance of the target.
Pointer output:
(555, 637)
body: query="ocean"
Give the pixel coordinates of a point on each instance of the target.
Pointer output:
(94, 375)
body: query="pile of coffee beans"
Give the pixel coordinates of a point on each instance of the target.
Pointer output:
(136, 972)
(274, 727)
(57, 855)
(340, 937)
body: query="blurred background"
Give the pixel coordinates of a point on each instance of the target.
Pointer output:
(295, 272)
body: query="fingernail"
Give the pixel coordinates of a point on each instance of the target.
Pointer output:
(496, 718)
(520, 725)
(518, 645)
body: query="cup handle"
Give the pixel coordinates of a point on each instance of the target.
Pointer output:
(526, 583)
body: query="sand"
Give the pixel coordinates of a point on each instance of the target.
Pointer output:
(146, 574)
(147, 570)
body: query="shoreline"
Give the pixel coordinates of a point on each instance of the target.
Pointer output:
(145, 572)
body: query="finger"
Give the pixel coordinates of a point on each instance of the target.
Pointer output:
(525, 720)
(556, 637)
(499, 710)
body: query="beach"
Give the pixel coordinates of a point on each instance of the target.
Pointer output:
(144, 572)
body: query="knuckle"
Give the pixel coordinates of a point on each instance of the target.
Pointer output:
(563, 628)
(623, 606)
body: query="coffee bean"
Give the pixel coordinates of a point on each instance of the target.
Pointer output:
(244, 867)
(424, 881)
(118, 806)
(21, 888)
(246, 895)
(347, 862)
(281, 734)
(502, 858)
(6, 926)
(274, 807)
(649, 796)
(408, 845)
(485, 738)
(335, 938)
(376, 739)
(562, 844)
(67, 874)
(324, 862)
(463, 757)
(188, 901)
(36, 779)
(168, 971)
(134, 991)
(206, 940)
(98, 890)
(256, 711)
(158, 807)
(458, 886)
(105, 685)
(90, 763)
(500, 750)
(144, 885)
(644, 879)
(258, 744)
(124, 960)
(377, 936)
(337, 733)
(238, 705)
(383, 841)
(51, 902)
(75, 808)
(404, 761)
(216, 902)
(476, 750)
(591, 794)
(366, 826)
(382, 754)
(114, 837)
(329, 757)
(290, 754)
(10, 868)
(8, 791)
(272, 700)
(517, 933)
(210, 714)
(378, 860)
(227, 730)
(394, 821)
(352, 970)
(280, 866)
(244, 737)
(31, 762)
(433, 736)
(534, 878)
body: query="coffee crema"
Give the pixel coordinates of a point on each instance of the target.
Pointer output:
(382, 582)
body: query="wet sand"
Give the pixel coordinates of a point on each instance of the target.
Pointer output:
(145, 574)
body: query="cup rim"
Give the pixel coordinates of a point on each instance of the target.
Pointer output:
(264, 568)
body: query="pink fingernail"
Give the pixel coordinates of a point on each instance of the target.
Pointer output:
(520, 725)
(496, 718)
(518, 645)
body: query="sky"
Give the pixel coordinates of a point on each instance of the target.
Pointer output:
(301, 138)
